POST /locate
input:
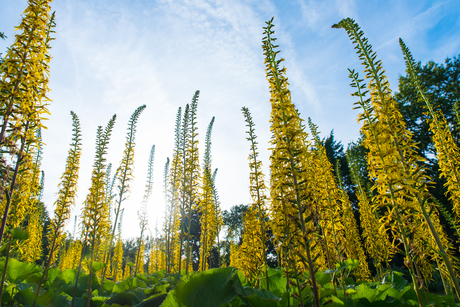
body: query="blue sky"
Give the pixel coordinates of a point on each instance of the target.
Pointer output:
(111, 56)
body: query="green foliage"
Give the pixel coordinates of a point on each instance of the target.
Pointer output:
(19, 271)
(234, 219)
(218, 287)
(210, 288)
(95, 213)
(215, 287)
(23, 278)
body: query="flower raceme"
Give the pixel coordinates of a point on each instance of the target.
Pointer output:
(256, 219)
(338, 224)
(291, 211)
(399, 179)
(447, 151)
(376, 242)
(207, 206)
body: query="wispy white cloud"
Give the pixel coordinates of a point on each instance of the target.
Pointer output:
(416, 25)
(346, 8)
(311, 11)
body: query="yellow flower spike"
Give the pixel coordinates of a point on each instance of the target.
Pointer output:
(95, 213)
(189, 181)
(139, 267)
(125, 174)
(392, 153)
(290, 190)
(117, 261)
(207, 207)
(256, 222)
(127, 271)
(374, 232)
(25, 71)
(71, 256)
(448, 155)
(171, 227)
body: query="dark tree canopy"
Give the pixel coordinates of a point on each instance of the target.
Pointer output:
(335, 154)
(234, 219)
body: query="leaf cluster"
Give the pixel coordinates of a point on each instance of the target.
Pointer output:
(23, 279)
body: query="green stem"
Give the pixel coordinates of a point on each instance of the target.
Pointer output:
(88, 301)
(442, 252)
(4, 271)
(446, 290)
(13, 182)
(83, 248)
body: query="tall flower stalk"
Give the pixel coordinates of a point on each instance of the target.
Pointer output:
(184, 183)
(95, 213)
(327, 205)
(338, 221)
(189, 179)
(24, 74)
(124, 176)
(207, 207)
(172, 196)
(377, 243)
(258, 212)
(448, 154)
(289, 193)
(67, 192)
(66, 197)
(142, 213)
(192, 167)
(218, 213)
(400, 181)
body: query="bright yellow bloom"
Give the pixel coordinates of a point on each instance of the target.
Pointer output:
(25, 198)
(291, 207)
(27, 203)
(207, 207)
(127, 271)
(400, 181)
(140, 259)
(251, 256)
(376, 242)
(24, 73)
(254, 240)
(208, 221)
(191, 177)
(448, 155)
(71, 257)
(117, 261)
(235, 256)
(31, 249)
(95, 213)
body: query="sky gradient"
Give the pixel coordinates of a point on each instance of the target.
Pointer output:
(111, 56)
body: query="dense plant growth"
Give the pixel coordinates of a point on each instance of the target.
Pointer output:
(328, 230)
